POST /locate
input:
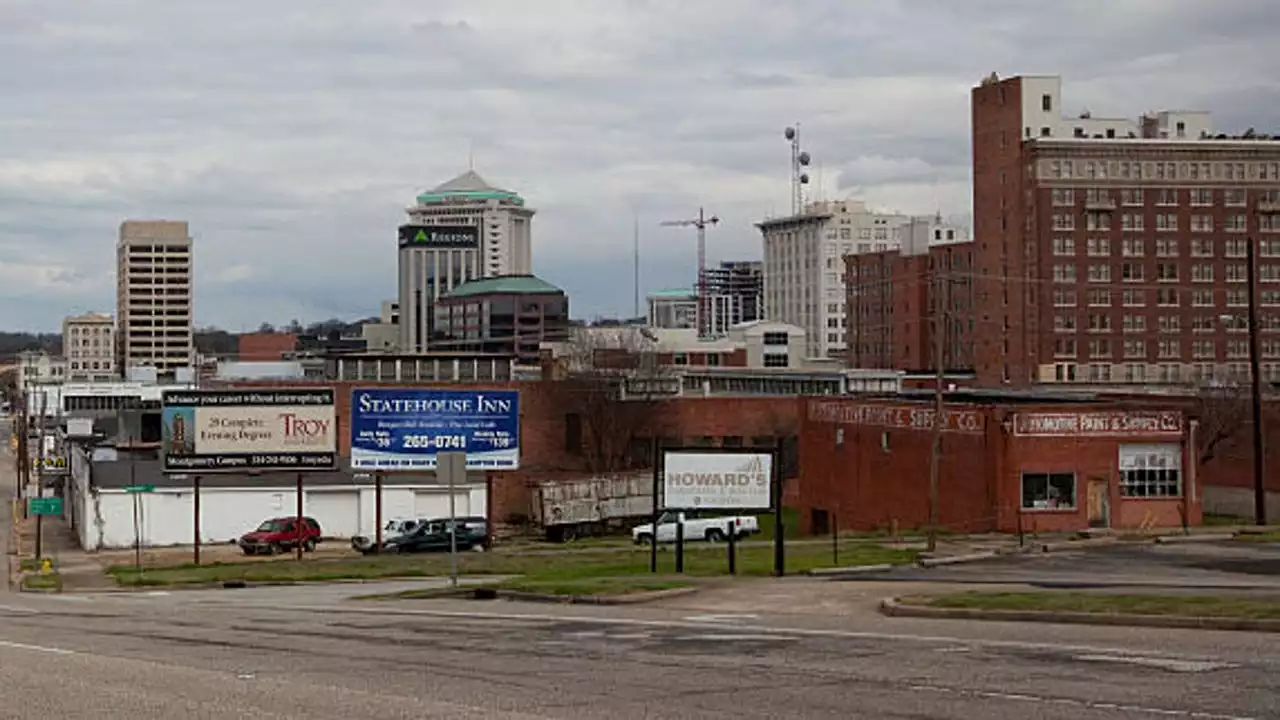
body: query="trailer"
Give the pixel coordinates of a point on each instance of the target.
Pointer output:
(569, 509)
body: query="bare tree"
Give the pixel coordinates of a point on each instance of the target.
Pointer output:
(610, 382)
(1223, 410)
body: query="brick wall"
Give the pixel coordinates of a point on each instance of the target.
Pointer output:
(265, 347)
(873, 476)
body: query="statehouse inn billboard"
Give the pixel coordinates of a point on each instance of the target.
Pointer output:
(263, 430)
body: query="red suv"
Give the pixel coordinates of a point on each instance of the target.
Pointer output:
(279, 534)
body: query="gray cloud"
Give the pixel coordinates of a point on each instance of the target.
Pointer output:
(293, 134)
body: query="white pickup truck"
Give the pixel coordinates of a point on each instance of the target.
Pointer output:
(696, 527)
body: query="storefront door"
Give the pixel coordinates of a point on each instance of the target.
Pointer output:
(1099, 503)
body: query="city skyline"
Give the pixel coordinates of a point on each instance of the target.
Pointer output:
(294, 181)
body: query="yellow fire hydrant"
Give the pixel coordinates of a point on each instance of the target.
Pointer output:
(46, 566)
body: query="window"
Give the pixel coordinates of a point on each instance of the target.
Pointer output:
(1065, 246)
(1064, 273)
(1132, 272)
(1201, 196)
(1202, 273)
(1099, 247)
(1132, 197)
(1166, 272)
(1100, 273)
(1064, 221)
(1166, 247)
(1132, 222)
(573, 433)
(775, 339)
(773, 360)
(1063, 197)
(1167, 297)
(1201, 223)
(1237, 248)
(1233, 196)
(1150, 471)
(1099, 322)
(1099, 297)
(1135, 349)
(1048, 491)
(1133, 247)
(1100, 348)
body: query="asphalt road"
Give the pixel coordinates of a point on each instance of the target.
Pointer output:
(772, 650)
(239, 654)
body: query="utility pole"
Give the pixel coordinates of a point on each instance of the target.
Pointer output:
(1255, 372)
(701, 222)
(938, 281)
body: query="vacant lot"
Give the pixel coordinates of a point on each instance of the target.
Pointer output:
(701, 561)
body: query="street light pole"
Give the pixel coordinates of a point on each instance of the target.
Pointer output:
(1255, 372)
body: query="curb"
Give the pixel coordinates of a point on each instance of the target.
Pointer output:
(850, 570)
(1061, 545)
(956, 559)
(1206, 537)
(632, 599)
(220, 584)
(893, 607)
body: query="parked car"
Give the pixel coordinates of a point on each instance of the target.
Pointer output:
(279, 534)
(696, 527)
(429, 537)
(391, 529)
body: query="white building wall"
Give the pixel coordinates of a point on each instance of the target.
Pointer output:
(167, 515)
(804, 265)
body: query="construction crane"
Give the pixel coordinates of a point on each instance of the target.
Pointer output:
(701, 222)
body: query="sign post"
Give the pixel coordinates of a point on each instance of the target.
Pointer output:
(247, 431)
(719, 479)
(450, 466)
(136, 492)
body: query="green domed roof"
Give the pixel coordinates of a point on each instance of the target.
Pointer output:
(468, 186)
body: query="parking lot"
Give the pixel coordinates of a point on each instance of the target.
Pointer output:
(1199, 566)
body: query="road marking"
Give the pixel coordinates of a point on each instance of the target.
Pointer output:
(735, 637)
(36, 648)
(1087, 704)
(802, 632)
(721, 618)
(631, 636)
(19, 609)
(1163, 663)
(588, 634)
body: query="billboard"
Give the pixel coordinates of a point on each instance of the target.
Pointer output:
(440, 236)
(262, 430)
(693, 480)
(403, 429)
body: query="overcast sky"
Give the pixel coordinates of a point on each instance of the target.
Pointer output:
(293, 133)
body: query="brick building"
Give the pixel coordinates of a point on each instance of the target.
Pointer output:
(551, 444)
(507, 315)
(1114, 250)
(893, 300)
(266, 346)
(1005, 467)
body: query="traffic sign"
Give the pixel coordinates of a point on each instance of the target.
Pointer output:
(45, 506)
(139, 488)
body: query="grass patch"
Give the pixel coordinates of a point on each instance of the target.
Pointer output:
(44, 581)
(701, 560)
(31, 564)
(1182, 605)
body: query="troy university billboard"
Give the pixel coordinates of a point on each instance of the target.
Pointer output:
(249, 430)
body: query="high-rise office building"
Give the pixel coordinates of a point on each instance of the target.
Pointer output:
(1114, 250)
(804, 264)
(153, 295)
(735, 294)
(462, 230)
